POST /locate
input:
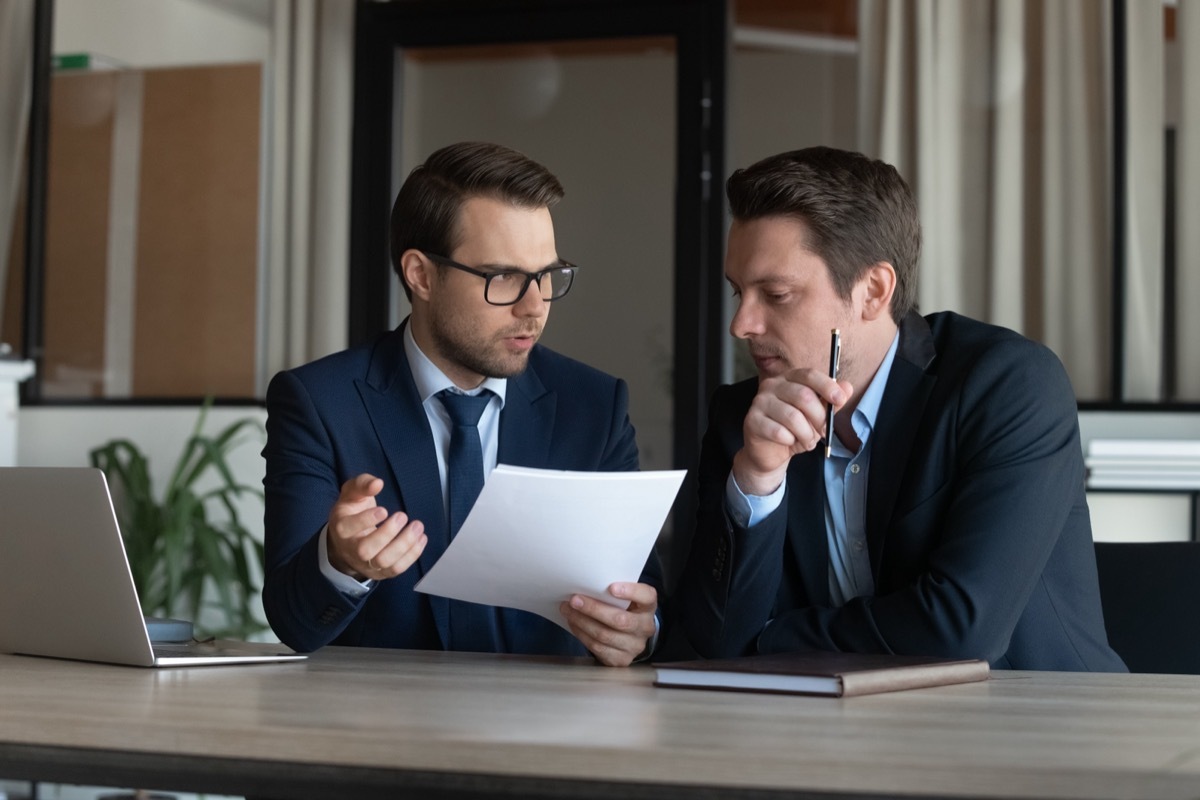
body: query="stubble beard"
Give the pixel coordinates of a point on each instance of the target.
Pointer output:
(461, 344)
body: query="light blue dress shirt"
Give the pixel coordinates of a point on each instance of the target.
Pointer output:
(846, 477)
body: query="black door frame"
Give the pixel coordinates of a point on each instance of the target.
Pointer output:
(699, 28)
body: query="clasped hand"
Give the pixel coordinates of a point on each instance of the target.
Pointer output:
(786, 418)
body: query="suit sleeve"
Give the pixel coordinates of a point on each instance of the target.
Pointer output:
(304, 609)
(621, 455)
(732, 575)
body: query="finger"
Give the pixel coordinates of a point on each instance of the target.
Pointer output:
(359, 488)
(786, 421)
(609, 646)
(612, 626)
(402, 551)
(347, 527)
(847, 392)
(368, 544)
(826, 389)
(347, 537)
(642, 597)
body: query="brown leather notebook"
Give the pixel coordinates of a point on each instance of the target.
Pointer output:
(833, 674)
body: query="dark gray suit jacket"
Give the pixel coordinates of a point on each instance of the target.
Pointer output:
(978, 529)
(358, 411)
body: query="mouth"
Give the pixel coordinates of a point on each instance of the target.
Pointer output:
(521, 341)
(767, 362)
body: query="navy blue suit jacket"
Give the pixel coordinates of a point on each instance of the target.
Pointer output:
(977, 525)
(358, 411)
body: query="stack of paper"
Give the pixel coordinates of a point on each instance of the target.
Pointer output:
(537, 536)
(1143, 464)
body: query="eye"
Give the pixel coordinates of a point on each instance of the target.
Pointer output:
(503, 278)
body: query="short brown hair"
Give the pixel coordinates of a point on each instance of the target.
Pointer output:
(425, 214)
(858, 211)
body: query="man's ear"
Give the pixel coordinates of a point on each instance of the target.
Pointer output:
(877, 286)
(418, 273)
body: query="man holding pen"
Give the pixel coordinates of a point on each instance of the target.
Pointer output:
(949, 517)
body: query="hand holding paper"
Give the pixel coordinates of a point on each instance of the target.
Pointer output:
(537, 537)
(615, 636)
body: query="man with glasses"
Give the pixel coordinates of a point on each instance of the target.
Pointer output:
(365, 447)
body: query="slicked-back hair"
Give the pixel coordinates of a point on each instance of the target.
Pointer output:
(425, 214)
(857, 212)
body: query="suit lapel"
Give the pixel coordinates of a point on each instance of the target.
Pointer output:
(527, 421)
(903, 404)
(394, 406)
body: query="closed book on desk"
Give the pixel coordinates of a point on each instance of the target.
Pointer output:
(833, 674)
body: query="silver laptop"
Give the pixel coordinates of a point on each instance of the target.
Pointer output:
(65, 586)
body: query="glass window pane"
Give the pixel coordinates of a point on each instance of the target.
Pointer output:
(153, 202)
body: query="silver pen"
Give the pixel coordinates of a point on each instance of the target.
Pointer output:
(835, 356)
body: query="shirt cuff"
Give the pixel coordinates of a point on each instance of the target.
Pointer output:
(747, 510)
(340, 580)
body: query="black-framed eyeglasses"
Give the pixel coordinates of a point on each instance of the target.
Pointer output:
(506, 287)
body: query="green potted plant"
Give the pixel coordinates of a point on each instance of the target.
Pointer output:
(190, 553)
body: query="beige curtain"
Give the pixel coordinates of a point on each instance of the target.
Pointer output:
(1145, 202)
(16, 70)
(1187, 203)
(309, 215)
(996, 112)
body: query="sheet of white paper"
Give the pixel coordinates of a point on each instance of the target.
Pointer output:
(537, 536)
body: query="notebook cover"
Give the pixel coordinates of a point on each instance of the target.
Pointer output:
(825, 673)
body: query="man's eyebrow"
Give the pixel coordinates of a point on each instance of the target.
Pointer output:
(513, 268)
(765, 279)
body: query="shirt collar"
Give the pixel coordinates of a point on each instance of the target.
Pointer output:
(863, 418)
(430, 380)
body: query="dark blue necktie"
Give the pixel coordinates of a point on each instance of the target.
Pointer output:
(464, 462)
(472, 626)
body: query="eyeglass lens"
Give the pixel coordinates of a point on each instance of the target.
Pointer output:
(508, 287)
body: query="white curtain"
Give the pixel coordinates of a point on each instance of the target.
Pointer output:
(1187, 203)
(309, 214)
(1145, 202)
(996, 112)
(16, 70)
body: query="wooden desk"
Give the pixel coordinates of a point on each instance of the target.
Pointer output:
(363, 723)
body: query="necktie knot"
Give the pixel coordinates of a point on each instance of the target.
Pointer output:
(464, 409)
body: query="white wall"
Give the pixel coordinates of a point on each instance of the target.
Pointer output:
(162, 33)
(1138, 425)
(62, 436)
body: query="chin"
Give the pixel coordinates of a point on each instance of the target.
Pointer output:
(507, 368)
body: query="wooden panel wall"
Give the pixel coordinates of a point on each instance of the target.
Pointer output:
(77, 208)
(194, 301)
(197, 307)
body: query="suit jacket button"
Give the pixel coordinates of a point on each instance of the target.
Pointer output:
(716, 573)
